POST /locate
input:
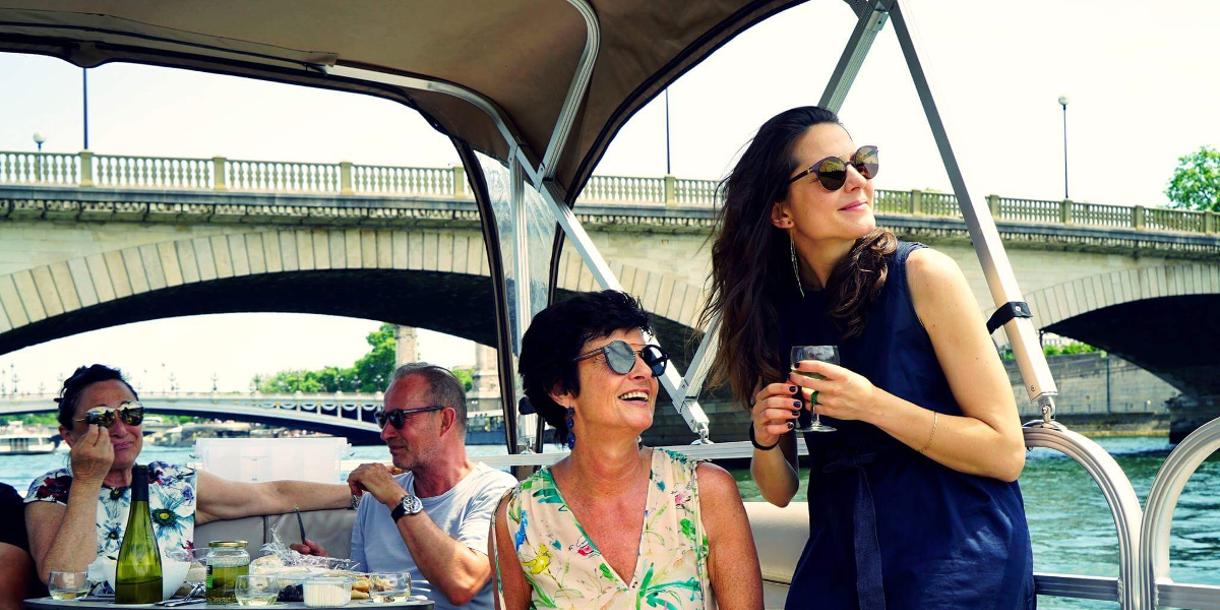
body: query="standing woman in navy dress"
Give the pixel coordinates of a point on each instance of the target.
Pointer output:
(913, 500)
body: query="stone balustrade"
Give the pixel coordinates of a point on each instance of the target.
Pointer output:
(86, 169)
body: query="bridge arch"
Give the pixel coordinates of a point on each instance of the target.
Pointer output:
(1058, 303)
(429, 278)
(1159, 318)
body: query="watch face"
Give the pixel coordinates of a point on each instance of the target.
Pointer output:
(411, 505)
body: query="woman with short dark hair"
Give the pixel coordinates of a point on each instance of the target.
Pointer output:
(77, 514)
(913, 500)
(615, 523)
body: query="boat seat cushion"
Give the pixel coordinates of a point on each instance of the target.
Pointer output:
(330, 528)
(779, 536)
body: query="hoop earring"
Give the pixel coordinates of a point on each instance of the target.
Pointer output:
(796, 271)
(569, 420)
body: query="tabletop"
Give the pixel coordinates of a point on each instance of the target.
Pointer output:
(46, 603)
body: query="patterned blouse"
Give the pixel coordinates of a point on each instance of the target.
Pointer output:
(171, 499)
(565, 569)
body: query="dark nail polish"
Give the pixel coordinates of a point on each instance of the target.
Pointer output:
(791, 425)
(796, 404)
(792, 389)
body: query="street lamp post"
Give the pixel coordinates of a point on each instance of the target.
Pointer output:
(1063, 101)
(38, 140)
(668, 170)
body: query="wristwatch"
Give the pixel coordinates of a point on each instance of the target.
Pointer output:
(409, 505)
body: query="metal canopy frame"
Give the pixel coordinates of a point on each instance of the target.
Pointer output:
(540, 178)
(871, 19)
(684, 391)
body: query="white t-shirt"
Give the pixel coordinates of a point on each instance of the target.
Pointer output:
(464, 512)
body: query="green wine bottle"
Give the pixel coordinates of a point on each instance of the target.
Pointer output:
(138, 573)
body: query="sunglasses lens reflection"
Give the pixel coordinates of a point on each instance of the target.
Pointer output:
(620, 357)
(133, 416)
(655, 359)
(832, 173)
(866, 161)
(100, 417)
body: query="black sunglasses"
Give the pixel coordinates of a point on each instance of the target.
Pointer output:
(398, 417)
(832, 171)
(621, 357)
(132, 414)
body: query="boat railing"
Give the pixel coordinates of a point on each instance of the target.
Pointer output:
(1124, 507)
(1183, 461)
(1143, 581)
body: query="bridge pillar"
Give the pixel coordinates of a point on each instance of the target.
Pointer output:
(1188, 412)
(485, 395)
(86, 168)
(218, 174)
(405, 345)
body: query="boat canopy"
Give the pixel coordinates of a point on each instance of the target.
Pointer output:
(531, 92)
(521, 57)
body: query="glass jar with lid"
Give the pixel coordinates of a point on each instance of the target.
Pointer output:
(227, 559)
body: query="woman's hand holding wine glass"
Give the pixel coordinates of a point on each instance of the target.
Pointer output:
(839, 392)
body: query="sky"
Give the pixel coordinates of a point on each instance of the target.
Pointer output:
(1141, 80)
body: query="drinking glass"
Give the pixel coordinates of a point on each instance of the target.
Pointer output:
(809, 420)
(256, 590)
(67, 585)
(389, 587)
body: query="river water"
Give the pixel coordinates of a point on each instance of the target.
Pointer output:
(1070, 524)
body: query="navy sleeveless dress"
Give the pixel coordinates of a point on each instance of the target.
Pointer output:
(888, 527)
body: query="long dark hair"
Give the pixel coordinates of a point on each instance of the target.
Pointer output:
(751, 264)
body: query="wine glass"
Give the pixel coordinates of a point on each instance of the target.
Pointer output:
(389, 587)
(67, 585)
(256, 589)
(808, 422)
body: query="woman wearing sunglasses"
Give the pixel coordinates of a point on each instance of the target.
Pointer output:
(913, 500)
(77, 514)
(615, 523)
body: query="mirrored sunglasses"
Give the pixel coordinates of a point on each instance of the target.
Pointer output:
(832, 171)
(398, 417)
(621, 357)
(132, 414)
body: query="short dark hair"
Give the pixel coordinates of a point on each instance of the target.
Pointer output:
(444, 388)
(83, 377)
(556, 336)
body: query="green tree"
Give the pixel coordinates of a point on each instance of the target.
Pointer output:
(373, 370)
(370, 373)
(466, 376)
(1196, 181)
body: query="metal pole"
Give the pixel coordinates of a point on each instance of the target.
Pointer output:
(983, 233)
(1063, 101)
(84, 82)
(667, 167)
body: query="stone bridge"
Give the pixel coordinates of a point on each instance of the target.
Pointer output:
(90, 241)
(349, 416)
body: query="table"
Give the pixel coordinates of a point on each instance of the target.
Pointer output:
(46, 603)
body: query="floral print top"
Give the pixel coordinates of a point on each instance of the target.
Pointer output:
(565, 569)
(171, 499)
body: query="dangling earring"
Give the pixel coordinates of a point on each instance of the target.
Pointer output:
(569, 420)
(796, 270)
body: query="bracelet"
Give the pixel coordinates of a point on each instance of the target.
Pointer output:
(756, 444)
(931, 433)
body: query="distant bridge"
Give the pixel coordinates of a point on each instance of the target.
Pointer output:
(347, 415)
(90, 241)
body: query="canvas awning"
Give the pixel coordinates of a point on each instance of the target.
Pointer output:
(519, 54)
